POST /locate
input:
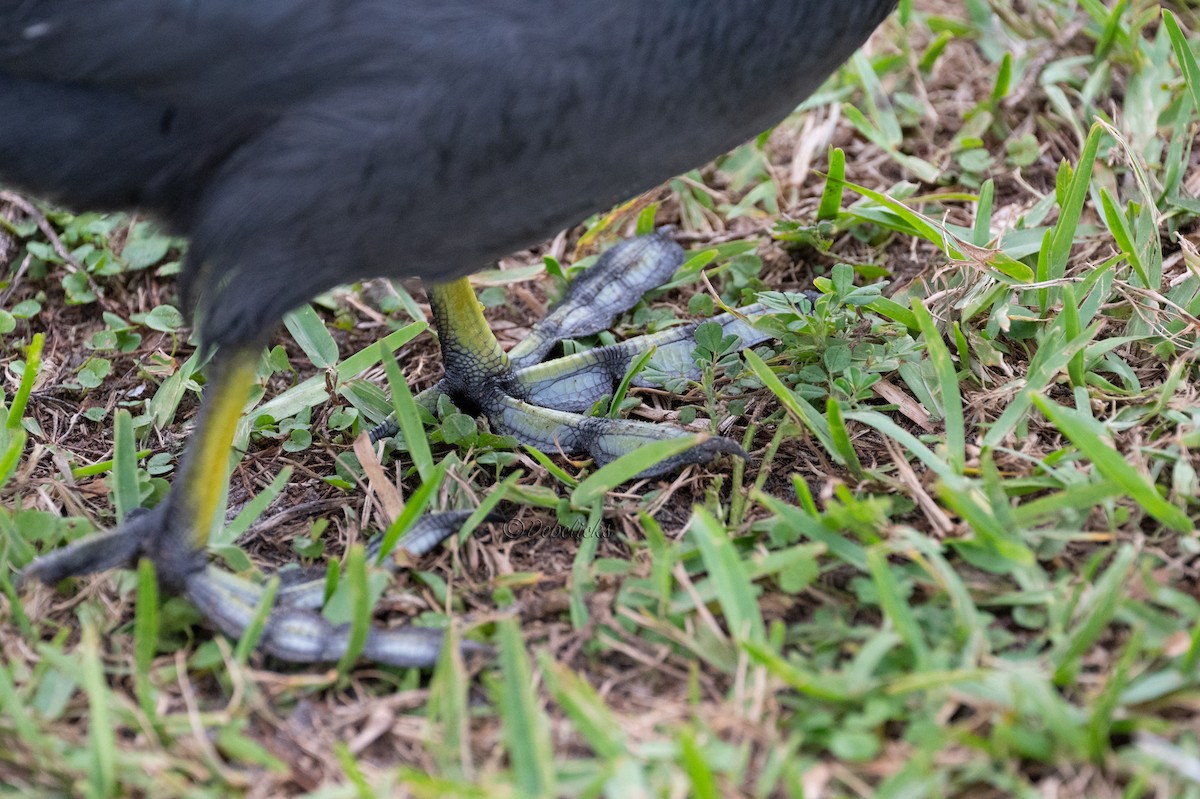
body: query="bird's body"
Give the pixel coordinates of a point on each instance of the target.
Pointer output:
(306, 143)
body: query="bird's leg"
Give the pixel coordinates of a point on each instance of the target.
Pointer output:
(175, 533)
(470, 353)
(194, 502)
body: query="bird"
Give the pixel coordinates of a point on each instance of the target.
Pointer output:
(303, 144)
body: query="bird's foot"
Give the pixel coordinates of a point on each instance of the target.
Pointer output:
(294, 630)
(544, 403)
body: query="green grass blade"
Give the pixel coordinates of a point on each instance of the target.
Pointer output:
(1183, 53)
(18, 713)
(449, 711)
(1003, 79)
(895, 311)
(1112, 464)
(820, 685)
(810, 526)
(695, 763)
(622, 389)
(894, 606)
(1071, 327)
(736, 593)
(629, 465)
(928, 553)
(1104, 706)
(840, 436)
(33, 363)
(254, 630)
(964, 499)
(101, 741)
(310, 332)
(546, 462)
(645, 220)
(1106, 597)
(1118, 226)
(100, 467)
(906, 439)
(126, 495)
(981, 232)
(947, 377)
(525, 727)
(353, 772)
(831, 197)
(408, 417)
(146, 624)
(581, 567)
(798, 408)
(1072, 206)
(253, 509)
(355, 577)
(1050, 359)
(584, 707)
(367, 357)
(879, 107)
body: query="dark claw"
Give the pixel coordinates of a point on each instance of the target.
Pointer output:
(703, 452)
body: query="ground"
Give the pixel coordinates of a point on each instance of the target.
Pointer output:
(961, 560)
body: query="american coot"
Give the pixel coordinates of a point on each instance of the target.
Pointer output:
(306, 143)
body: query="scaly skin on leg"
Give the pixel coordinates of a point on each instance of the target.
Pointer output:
(193, 503)
(480, 375)
(470, 352)
(614, 284)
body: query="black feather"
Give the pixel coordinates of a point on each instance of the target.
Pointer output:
(307, 143)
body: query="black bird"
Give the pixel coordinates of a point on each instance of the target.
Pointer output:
(303, 144)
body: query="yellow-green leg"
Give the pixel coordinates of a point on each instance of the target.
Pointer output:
(192, 507)
(471, 354)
